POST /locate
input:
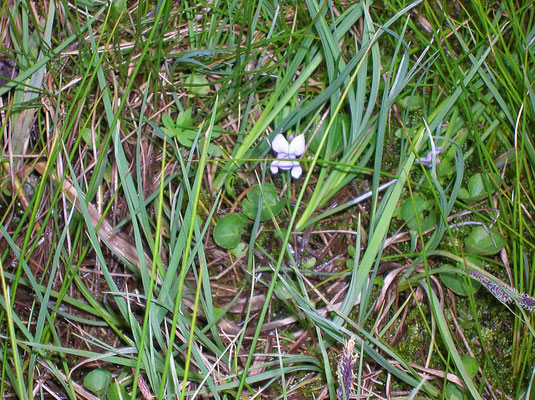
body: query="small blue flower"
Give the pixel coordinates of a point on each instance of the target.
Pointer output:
(287, 153)
(427, 161)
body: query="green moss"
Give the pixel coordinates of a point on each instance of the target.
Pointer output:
(497, 327)
(416, 339)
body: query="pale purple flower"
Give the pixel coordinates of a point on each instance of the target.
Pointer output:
(347, 363)
(427, 161)
(505, 293)
(287, 153)
(497, 290)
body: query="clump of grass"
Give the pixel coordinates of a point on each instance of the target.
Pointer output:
(108, 261)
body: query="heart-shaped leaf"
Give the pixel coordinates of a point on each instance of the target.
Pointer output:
(484, 241)
(270, 200)
(98, 381)
(458, 283)
(413, 103)
(476, 187)
(471, 365)
(227, 233)
(198, 85)
(418, 206)
(453, 392)
(183, 129)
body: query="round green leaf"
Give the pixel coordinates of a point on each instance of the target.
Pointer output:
(476, 187)
(458, 283)
(239, 249)
(98, 381)
(119, 6)
(481, 242)
(453, 392)
(269, 201)
(200, 86)
(464, 194)
(413, 103)
(281, 291)
(309, 263)
(418, 206)
(227, 233)
(213, 150)
(471, 365)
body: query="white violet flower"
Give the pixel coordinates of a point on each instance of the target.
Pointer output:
(286, 153)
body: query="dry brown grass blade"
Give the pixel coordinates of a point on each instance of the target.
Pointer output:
(116, 241)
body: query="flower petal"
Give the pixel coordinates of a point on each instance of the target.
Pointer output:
(427, 161)
(273, 167)
(285, 164)
(297, 171)
(297, 146)
(280, 144)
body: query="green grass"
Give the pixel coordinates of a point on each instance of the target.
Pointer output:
(131, 130)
